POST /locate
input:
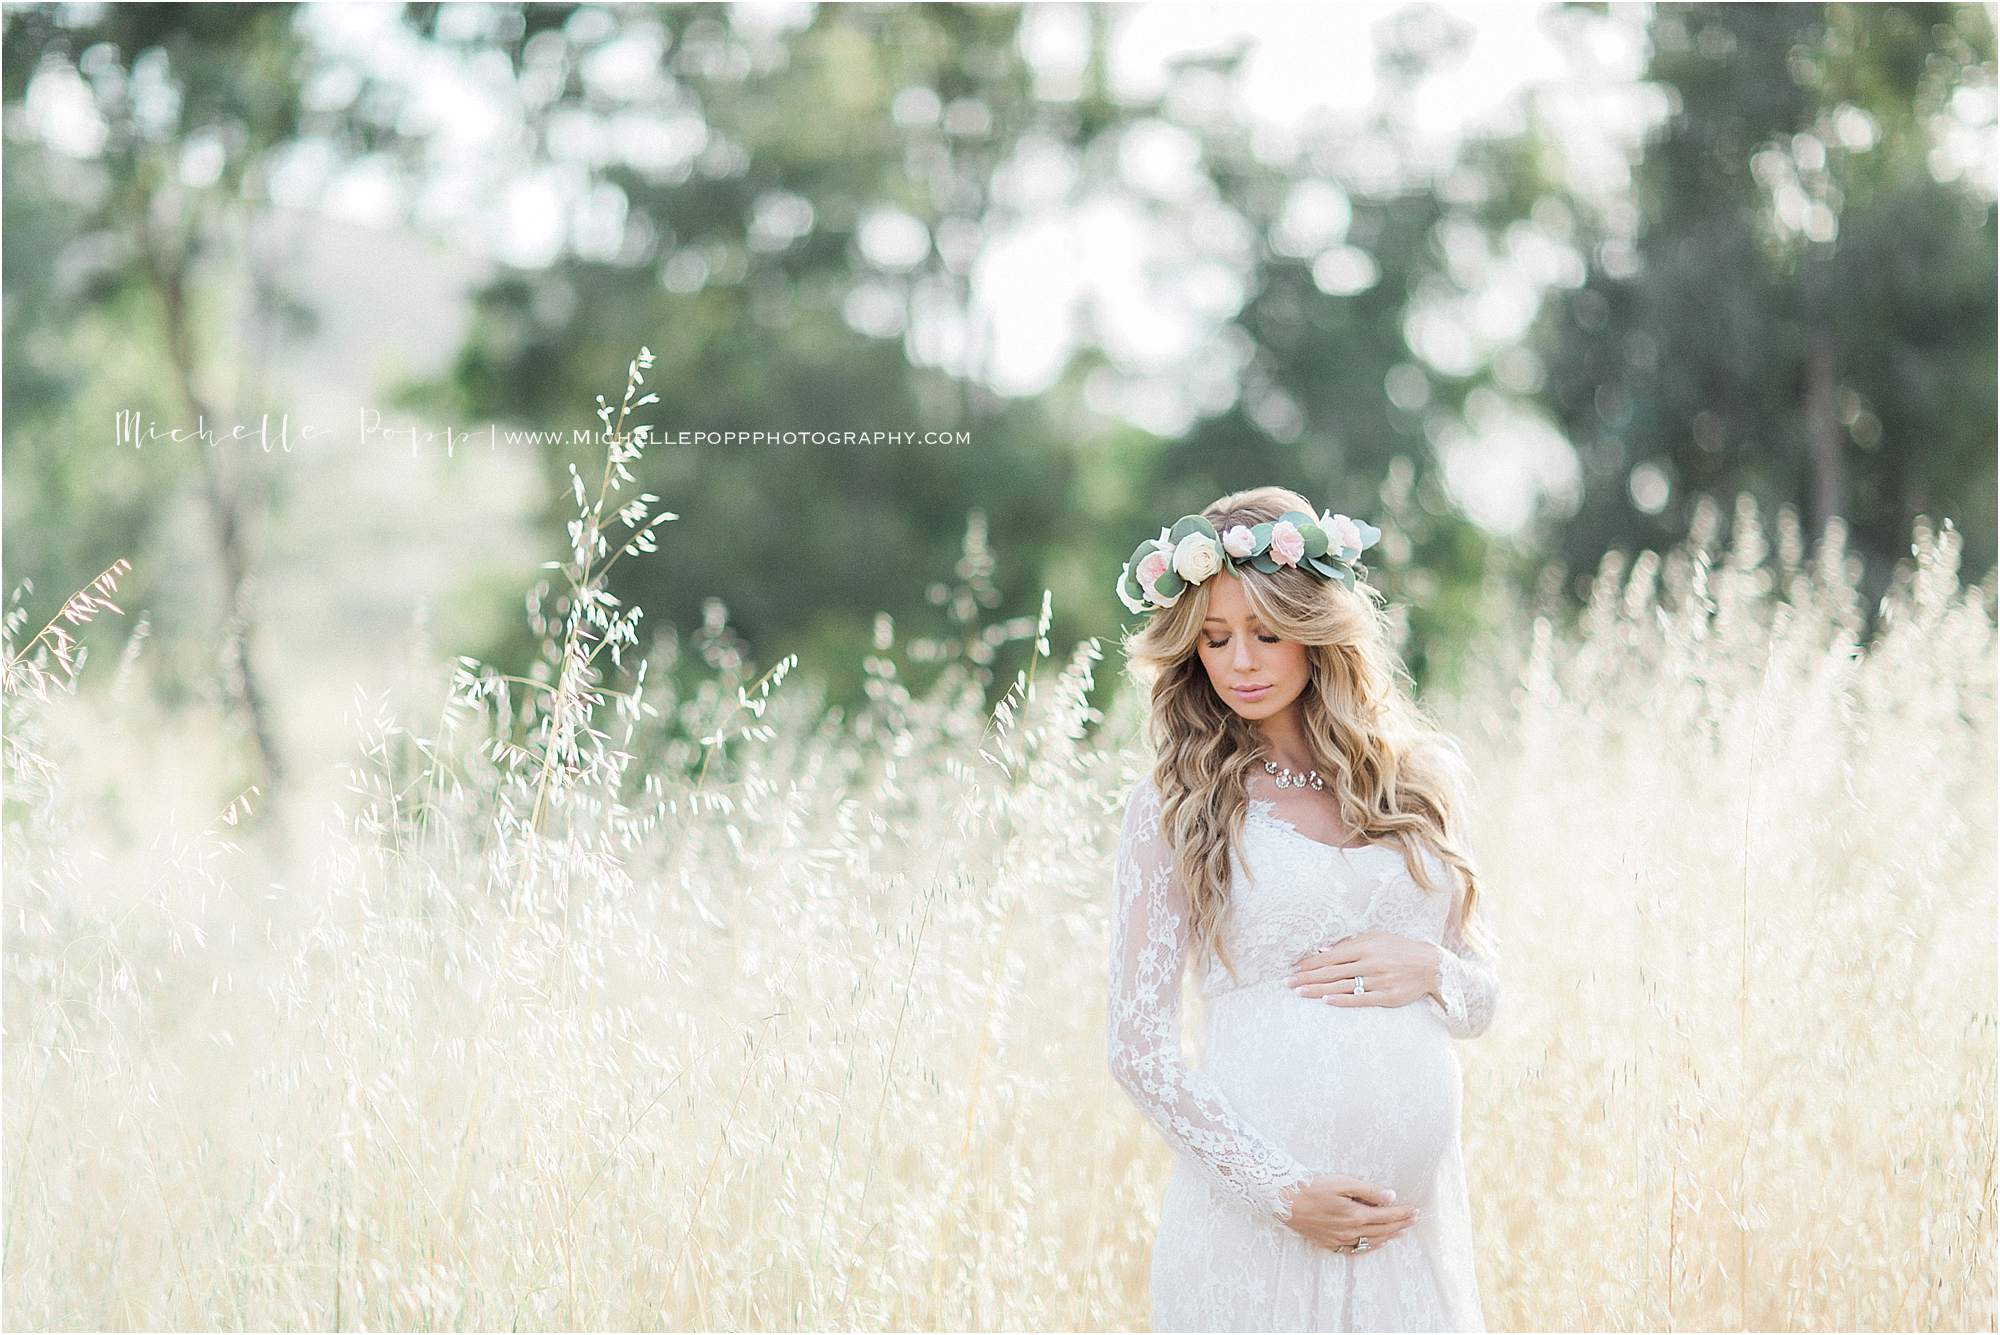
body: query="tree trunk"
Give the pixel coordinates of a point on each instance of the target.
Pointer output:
(169, 279)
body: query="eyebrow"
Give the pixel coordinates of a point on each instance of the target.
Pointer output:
(1255, 621)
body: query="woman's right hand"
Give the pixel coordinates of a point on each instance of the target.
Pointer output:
(1336, 1211)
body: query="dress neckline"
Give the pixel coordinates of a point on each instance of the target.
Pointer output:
(1267, 810)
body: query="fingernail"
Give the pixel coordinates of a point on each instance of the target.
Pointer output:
(1392, 1195)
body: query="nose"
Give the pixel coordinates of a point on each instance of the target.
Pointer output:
(1244, 658)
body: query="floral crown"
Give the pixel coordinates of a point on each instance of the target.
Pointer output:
(1162, 568)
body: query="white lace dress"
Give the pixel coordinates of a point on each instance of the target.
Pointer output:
(1290, 1088)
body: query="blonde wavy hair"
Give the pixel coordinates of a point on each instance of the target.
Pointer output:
(1398, 777)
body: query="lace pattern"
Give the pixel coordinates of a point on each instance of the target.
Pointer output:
(1149, 939)
(1469, 978)
(1468, 963)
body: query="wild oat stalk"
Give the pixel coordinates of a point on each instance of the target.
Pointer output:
(22, 671)
(591, 614)
(753, 698)
(28, 772)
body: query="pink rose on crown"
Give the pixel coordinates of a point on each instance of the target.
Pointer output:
(1288, 545)
(1154, 565)
(1239, 542)
(1343, 533)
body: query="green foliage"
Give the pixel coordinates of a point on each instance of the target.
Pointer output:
(1807, 311)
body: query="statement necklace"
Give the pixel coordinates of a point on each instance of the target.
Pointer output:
(1287, 779)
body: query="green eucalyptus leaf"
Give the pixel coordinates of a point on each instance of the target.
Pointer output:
(1187, 524)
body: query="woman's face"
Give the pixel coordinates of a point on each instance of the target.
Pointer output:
(1238, 652)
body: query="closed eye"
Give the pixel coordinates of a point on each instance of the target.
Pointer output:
(1217, 644)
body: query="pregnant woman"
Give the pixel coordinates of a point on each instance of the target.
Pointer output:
(1300, 842)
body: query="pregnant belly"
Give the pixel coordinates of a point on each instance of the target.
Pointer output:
(1369, 1091)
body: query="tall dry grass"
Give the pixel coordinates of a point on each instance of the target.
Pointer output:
(609, 1001)
(1745, 1074)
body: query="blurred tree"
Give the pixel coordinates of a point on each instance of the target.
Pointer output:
(793, 229)
(795, 221)
(168, 118)
(1801, 303)
(1334, 399)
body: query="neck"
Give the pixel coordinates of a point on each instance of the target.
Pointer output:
(1285, 741)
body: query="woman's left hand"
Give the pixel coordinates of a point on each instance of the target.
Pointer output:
(1395, 970)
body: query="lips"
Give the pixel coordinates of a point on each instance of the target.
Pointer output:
(1249, 692)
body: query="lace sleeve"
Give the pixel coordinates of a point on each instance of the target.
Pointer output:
(1468, 978)
(1148, 955)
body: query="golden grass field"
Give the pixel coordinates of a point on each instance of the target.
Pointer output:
(803, 1028)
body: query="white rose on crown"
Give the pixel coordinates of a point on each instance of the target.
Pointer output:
(1197, 557)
